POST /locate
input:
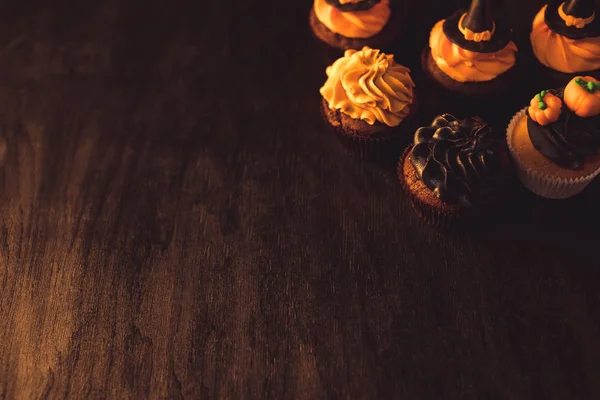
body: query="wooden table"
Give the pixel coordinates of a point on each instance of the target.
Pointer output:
(177, 222)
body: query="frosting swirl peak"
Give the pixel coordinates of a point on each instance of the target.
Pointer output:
(458, 160)
(369, 85)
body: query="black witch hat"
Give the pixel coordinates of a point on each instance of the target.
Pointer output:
(575, 19)
(476, 29)
(360, 5)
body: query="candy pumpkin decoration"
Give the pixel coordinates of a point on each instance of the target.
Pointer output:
(582, 96)
(544, 108)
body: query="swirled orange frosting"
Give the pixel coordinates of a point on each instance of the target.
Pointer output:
(561, 53)
(468, 66)
(353, 24)
(370, 86)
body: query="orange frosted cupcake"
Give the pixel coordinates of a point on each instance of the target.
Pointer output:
(353, 24)
(470, 52)
(565, 38)
(554, 142)
(367, 101)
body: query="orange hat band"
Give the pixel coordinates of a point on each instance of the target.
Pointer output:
(484, 36)
(574, 21)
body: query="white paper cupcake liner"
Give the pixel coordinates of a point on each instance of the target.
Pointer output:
(547, 186)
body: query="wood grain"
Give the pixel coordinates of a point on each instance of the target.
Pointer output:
(176, 222)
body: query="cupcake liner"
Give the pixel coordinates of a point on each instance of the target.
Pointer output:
(369, 148)
(551, 187)
(380, 147)
(431, 215)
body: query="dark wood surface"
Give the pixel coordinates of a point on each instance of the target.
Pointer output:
(177, 222)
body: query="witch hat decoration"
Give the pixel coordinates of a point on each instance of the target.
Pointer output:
(476, 29)
(352, 5)
(575, 19)
(479, 17)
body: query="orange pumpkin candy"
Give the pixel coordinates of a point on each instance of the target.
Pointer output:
(582, 96)
(544, 109)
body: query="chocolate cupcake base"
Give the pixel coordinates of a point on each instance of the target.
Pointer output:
(428, 206)
(369, 142)
(488, 100)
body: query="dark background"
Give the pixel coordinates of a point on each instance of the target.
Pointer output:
(176, 221)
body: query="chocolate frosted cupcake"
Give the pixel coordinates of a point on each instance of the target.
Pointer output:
(454, 170)
(367, 101)
(353, 24)
(565, 38)
(555, 141)
(470, 52)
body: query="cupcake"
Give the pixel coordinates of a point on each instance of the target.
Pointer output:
(554, 142)
(470, 52)
(353, 24)
(566, 39)
(455, 169)
(367, 101)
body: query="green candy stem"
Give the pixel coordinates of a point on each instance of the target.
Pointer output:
(540, 98)
(589, 86)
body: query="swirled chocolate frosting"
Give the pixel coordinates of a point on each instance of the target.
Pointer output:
(568, 140)
(459, 160)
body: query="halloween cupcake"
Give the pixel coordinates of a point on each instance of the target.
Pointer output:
(367, 101)
(566, 39)
(353, 24)
(554, 142)
(454, 170)
(470, 52)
